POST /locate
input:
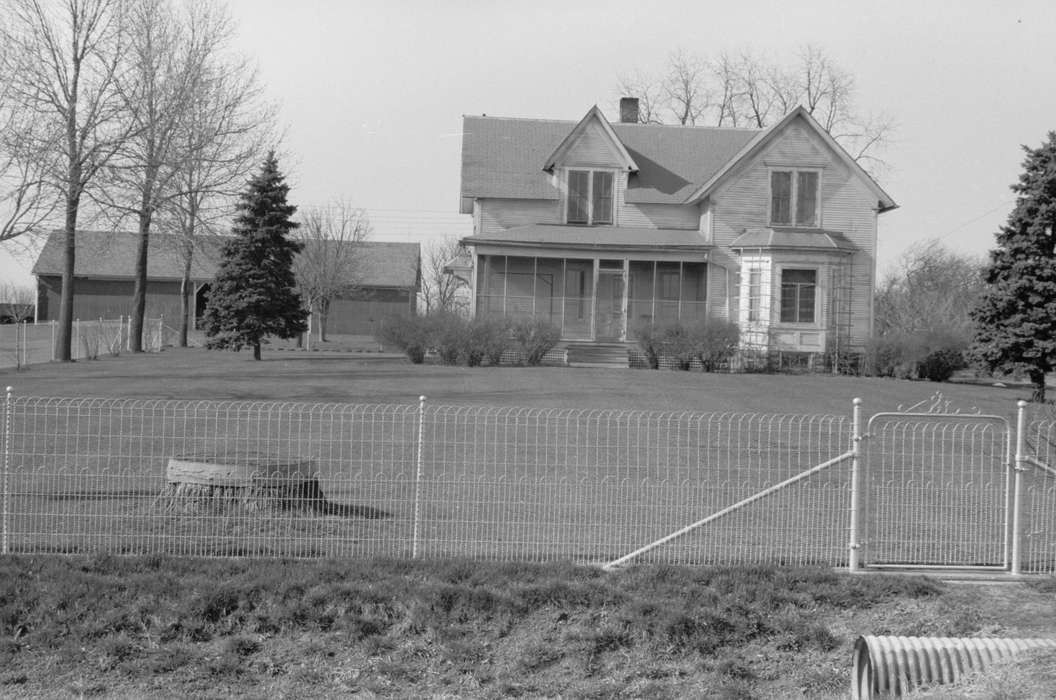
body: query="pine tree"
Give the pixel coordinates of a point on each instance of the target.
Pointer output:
(1016, 318)
(254, 295)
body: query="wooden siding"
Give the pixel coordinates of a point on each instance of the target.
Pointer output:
(847, 205)
(500, 214)
(108, 299)
(593, 148)
(660, 216)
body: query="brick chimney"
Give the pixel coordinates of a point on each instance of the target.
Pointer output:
(629, 110)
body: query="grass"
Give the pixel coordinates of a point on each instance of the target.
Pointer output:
(128, 627)
(379, 378)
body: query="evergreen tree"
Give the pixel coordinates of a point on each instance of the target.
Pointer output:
(1016, 318)
(253, 295)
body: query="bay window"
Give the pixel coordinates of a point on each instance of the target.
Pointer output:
(798, 294)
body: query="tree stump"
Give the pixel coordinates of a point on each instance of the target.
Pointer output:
(247, 481)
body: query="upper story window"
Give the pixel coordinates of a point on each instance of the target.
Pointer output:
(794, 198)
(590, 197)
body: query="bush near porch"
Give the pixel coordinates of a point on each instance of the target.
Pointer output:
(711, 343)
(470, 342)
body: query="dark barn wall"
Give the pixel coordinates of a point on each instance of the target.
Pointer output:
(109, 299)
(359, 313)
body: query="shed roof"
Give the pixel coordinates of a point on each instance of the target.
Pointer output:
(595, 237)
(504, 157)
(794, 239)
(112, 255)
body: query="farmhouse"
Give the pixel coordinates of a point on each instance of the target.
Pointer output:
(388, 279)
(598, 227)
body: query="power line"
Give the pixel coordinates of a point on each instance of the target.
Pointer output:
(977, 218)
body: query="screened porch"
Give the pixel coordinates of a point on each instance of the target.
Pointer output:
(591, 298)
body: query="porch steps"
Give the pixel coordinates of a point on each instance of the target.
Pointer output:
(612, 355)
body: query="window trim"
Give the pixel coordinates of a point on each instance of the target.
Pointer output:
(589, 196)
(815, 323)
(793, 196)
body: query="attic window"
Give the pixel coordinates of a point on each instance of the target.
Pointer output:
(794, 198)
(590, 197)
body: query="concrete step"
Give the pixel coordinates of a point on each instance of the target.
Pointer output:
(597, 355)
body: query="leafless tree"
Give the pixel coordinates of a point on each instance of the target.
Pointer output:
(750, 90)
(19, 299)
(60, 64)
(169, 51)
(330, 263)
(440, 290)
(932, 289)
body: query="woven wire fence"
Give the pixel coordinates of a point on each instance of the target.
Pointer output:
(306, 480)
(1038, 509)
(23, 344)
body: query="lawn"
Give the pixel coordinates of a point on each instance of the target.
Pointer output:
(375, 378)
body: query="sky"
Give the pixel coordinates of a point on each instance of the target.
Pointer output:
(372, 94)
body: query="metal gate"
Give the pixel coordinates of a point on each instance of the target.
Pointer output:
(937, 491)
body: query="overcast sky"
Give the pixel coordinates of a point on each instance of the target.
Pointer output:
(372, 93)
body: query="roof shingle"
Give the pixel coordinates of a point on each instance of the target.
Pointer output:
(112, 255)
(504, 157)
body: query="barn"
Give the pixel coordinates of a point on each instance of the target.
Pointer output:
(388, 279)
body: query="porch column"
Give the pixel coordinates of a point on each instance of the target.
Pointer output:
(594, 302)
(473, 285)
(624, 307)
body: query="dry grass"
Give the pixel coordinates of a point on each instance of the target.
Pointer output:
(133, 627)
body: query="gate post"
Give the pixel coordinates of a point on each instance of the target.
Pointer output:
(5, 456)
(856, 450)
(1017, 484)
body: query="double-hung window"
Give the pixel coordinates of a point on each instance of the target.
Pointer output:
(590, 197)
(794, 198)
(798, 293)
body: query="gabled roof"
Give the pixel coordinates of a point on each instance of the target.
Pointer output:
(112, 255)
(503, 157)
(763, 138)
(594, 115)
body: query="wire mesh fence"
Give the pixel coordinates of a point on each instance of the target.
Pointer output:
(1038, 507)
(23, 344)
(215, 478)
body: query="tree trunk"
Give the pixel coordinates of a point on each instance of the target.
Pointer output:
(139, 292)
(256, 350)
(324, 315)
(1037, 378)
(64, 338)
(186, 292)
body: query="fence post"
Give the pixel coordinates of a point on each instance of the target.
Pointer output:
(418, 476)
(5, 455)
(1017, 483)
(856, 452)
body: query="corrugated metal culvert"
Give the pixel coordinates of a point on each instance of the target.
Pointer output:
(891, 666)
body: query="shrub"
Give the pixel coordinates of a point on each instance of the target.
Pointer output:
(487, 339)
(649, 341)
(533, 338)
(931, 355)
(408, 334)
(678, 343)
(717, 341)
(447, 333)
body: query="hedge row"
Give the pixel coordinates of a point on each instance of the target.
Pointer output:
(457, 340)
(712, 343)
(925, 355)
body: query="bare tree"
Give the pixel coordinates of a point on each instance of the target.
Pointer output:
(60, 65)
(19, 299)
(649, 93)
(229, 129)
(753, 91)
(166, 62)
(932, 289)
(440, 290)
(329, 264)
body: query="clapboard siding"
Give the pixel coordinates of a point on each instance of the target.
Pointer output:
(500, 214)
(593, 148)
(847, 205)
(660, 216)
